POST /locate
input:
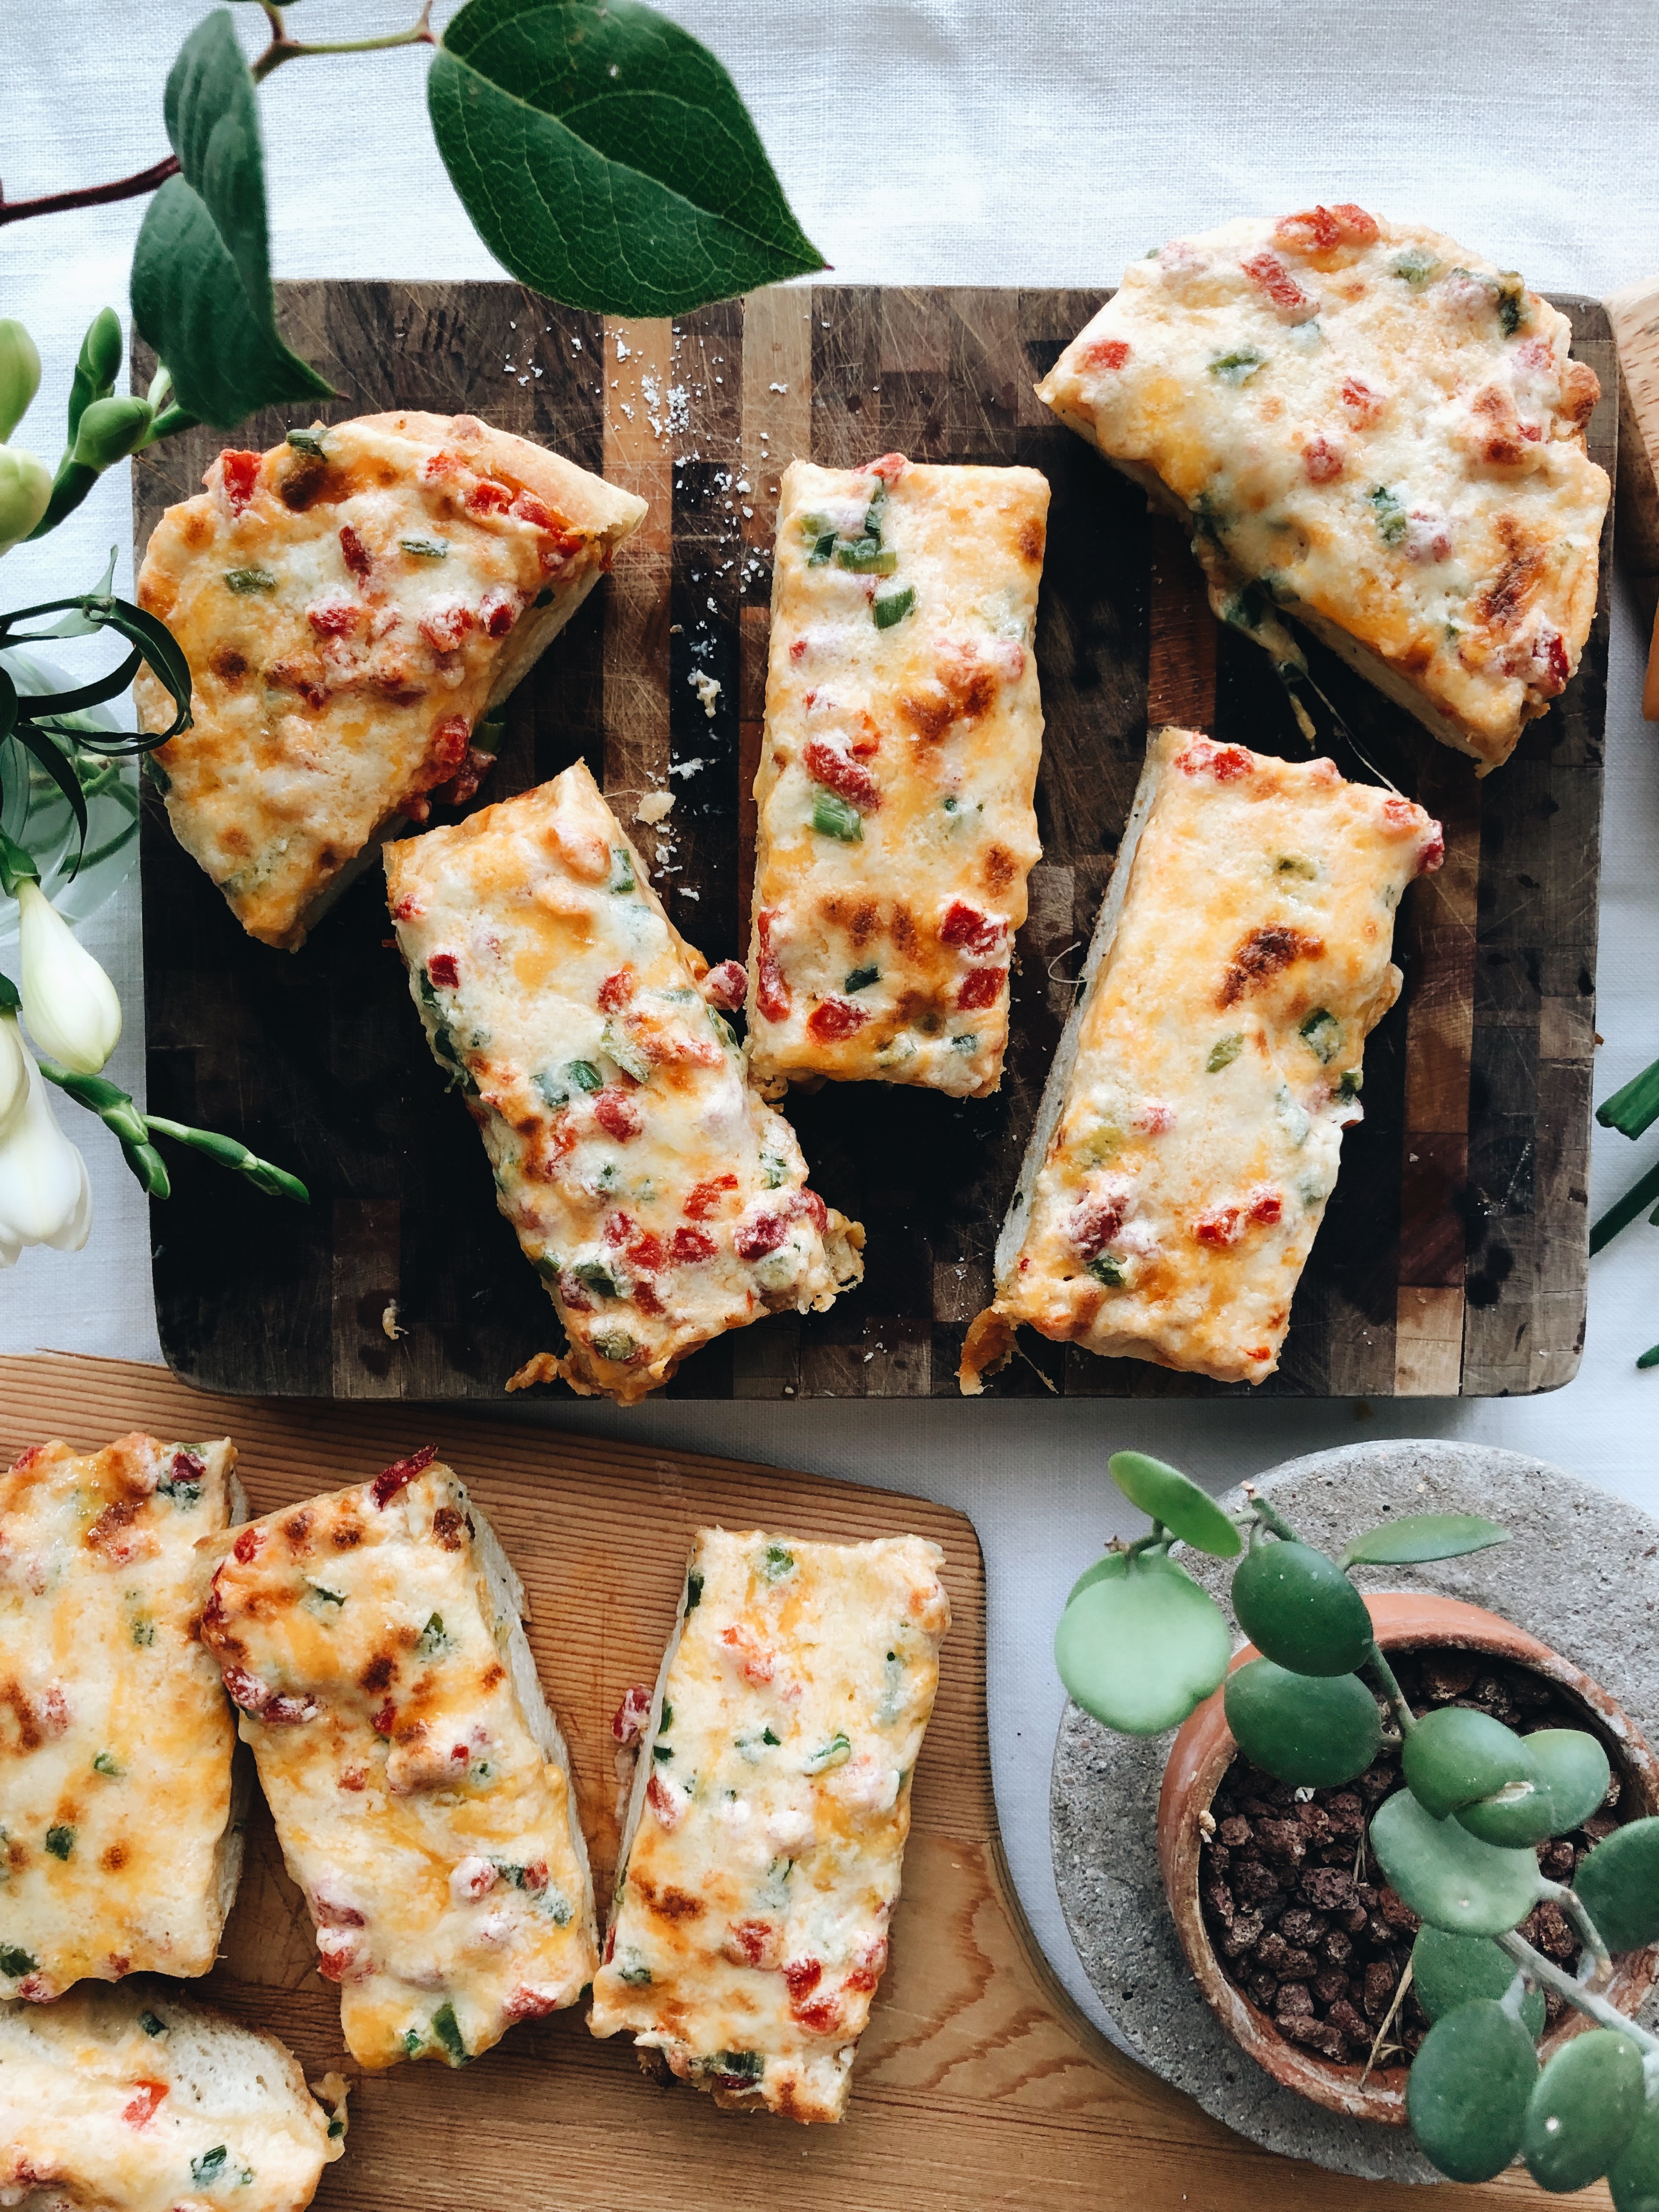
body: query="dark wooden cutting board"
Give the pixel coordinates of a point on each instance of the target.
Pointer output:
(1453, 1257)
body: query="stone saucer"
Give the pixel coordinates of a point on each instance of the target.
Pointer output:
(1581, 1571)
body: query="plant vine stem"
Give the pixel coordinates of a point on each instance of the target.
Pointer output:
(1391, 1689)
(86, 196)
(1573, 1905)
(1269, 1516)
(283, 49)
(1549, 1976)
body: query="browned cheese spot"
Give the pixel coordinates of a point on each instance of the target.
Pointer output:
(198, 529)
(449, 1528)
(1504, 599)
(345, 1535)
(1263, 953)
(378, 1673)
(297, 1528)
(227, 664)
(675, 1904)
(107, 1529)
(302, 481)
(906, 936)
(1000, 868)
(1029, 540)
(492, 1673)
(114, 1858)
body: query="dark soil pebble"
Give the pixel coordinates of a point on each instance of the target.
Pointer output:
(1299, 1914)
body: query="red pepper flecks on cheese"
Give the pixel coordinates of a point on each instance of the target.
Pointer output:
(351, 603)
(119, 1840)
(660, 1198)
(418, 1782)
(765, 1835)
(895, 790)
(1374, 430)
(1189, 1136)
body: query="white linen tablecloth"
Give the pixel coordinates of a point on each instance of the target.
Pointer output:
(948, 142)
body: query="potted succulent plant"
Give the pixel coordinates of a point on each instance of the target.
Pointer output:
(1487, 1836)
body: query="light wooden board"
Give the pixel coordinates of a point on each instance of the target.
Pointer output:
(978, 2085)
(1455, 1251)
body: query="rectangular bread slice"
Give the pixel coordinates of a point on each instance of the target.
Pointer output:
(132, 2100)
(420, 1787)
(1365, 425)
(660, 1198)
(1190, 1128)
(765, 1834)
(351, 605)
(894, 826)
(121, 1823)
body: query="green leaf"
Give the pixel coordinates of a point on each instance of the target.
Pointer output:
(1421, 1536)
(1165, 1494)
(1300, 1610)
(1468, 2092)
(1313, 1731)
(1569, 1779)
(1139, 1648)
(1583, 2110)
(1449, 1877)
(1115, 1566)
(606, 159)
(201, 270)
(1633, 2177)
(1455, 1755)
(1618, 1885)
(1448, 1971)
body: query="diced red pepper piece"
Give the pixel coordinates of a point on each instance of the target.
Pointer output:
(647, 1250)
(247, 1543)
(726, 985)
(980, 987)
(617, 1114)
(690, 1245)
(628, 1723)
(760, 1234)
(616, 991)
(354, 552)
(1226, 764)
(618, 1228)
(447, 748)
(1288, 299)
(1361, 402)
(489, 497)
(702, 1198)
(442, 969)
(147, 2096)
(807, 1205)
(802, 1976)
(401, 1474)
(772, 993)
(529, 509)
(335, 615)
(646, 1298)
(446, 626)
(1321, 459)
(889, 468)
(241, 477)
(1267, 1206)
(498, 610)
(1223, 1227)
(835, 1018)
(832, 767)
(966, 927)
(1105, 353)
(187, 1468)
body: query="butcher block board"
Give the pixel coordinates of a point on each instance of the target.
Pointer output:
(1453, 1254)
(977, 2083)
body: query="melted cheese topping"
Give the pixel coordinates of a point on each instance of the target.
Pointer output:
(430, 1831)
(661, 1200)
(766, 1831)
(129, 2101)
(1364, 424)
(1218, 1061)
(895, 829)
(344, 613)
(115, 1738)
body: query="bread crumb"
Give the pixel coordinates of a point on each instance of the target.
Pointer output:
(390, 1325)
(708, 689)
(653, 806)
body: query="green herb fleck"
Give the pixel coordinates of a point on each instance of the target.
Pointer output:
(308, 441)
(584, 1075)
(621, 870)
(245, 580)
(890, 607)
(636, 1977)
(835, 816)
(964, 1041)
(742, 2065)
(103, 1763)
(1297, 864)
(866, 557)
(778, 1562)
(320, 1596)
(1512, 303)
(411, 2042)
(662, 1751)
(426, 548)
(861, 979)
(597, 1277)
(1391, 519)
(152, 2023)
(693, 1590)
(1322, 1034)
(835, 1753)
(335, 2129)
(666, 1721)
(1222, 1052)
(1415, 266)
(14, 1962)
(445, 2028)
(144, 1629)
(1107, 1270)
(614, 1343)
(1351, 1084)
(767, 1736)
(552, 1092)
(434, 1640)
(949, 802)
(1240, 366)
(774, 1170)
(626, 1054)
(205, 2171)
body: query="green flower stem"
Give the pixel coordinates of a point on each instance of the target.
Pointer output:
(1391, 1689)
(16, 867)
(1158, 1540)
(274, 1182)
(1634, 1108)
(1547, 1975)
(283, 49)
(116, 1110)
(1267, 1516)
(1573, 1906)
(1640, 1195)
(1650, 1358)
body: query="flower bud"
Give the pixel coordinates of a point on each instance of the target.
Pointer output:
(101, 349)
(69, 1002)
(19, 375)
(45, 1195)
(14, 1072)
(109, 430)
(25, 490)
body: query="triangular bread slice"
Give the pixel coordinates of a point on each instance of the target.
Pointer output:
(352, 603)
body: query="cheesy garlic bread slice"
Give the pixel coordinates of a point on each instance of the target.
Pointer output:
(129, 2100)
(1189, 1133)
(419, 1784)
(1383, 435)
(351, 603)
(120, 1828)
(659, 1199)
(765, 1835)
(894, 826)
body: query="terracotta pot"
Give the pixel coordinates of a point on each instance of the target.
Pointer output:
(1200, 1757)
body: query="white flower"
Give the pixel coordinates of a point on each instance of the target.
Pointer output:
(69, 1002)
(45, 1195)
(14, 1073)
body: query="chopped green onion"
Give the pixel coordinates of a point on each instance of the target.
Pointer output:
(433, 1640)
(14, 1962)
(60, 1841)
(206, 2168)
(1352, 1084)
(1512, 303)
(1322, 1034)
(584, 1075)
(152, 2023)
(860, 979)
(621, 870)
(667, 1720)
(774, 1170)
(1636, 1108)
(244, 581)
(1415, 266)
(779, 1562)
(446, 2028)
(965, 1041)
(552, 1092)
(1390, 514)
(835, 817)
(103, 1763)
(309, 442)
(426, 548)
(1297, 864)
(1238, 368)
(835, 1753)
(597, 1277)
(1107, 1270)
(661, 1751)
(693, 1591)
(614, 1343)
(745, 2065)
(635, 1977)
(1223, 1052)
(626, 1054)
(866, 557)
(890, 607)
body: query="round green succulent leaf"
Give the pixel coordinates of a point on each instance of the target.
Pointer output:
(1448, 1971)
(1467, 2095)
(1115, 1565)
(1419, 1536)
(1313, 1731)
(1583, 2110)
(1167, 1495)
(1633, 2177)
(1455, 1756)
(1300, 1610)
(1139, 1650)
(1618, 1885)
(1449, 1877)
(1569, 1780)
